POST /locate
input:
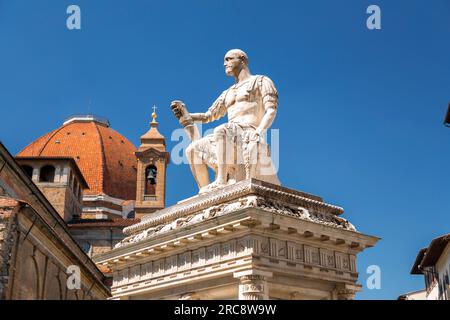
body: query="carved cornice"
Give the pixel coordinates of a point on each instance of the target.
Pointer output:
(152, 152)
(232, 192)
(251, 201)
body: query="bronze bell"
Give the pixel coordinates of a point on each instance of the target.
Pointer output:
(151, 175)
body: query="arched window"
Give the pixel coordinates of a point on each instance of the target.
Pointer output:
(150, 180)
(28, 171)
(47, 174)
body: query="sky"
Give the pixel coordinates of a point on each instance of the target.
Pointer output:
(360, 111)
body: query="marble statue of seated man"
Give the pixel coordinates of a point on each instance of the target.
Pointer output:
(236, 150)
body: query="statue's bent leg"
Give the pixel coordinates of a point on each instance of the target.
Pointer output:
(201, 155)
(198, 167)
(192, 132)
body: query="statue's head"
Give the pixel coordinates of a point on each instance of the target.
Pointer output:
(234, 61)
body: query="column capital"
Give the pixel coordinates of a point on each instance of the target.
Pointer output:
(253, 284)
(346, 292)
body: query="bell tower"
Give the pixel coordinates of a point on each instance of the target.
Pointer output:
(152, 160)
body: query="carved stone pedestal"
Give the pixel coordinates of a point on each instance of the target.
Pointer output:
(251, 240)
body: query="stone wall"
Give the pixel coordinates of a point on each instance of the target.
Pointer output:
(63, 200)
(36, 248)
(100, 240)
(39, 266)
(35, 263)
(7, 209)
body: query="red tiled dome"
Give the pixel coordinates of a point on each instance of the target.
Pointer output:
(104, 156)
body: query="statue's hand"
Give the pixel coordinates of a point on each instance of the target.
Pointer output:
(180, 111)
(252, 136)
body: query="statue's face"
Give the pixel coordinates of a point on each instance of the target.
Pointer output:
(233, 64)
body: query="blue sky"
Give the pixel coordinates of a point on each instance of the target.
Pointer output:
(360, 112)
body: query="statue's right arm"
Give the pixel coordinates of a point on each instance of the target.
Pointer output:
(199, 117)
(216, 111)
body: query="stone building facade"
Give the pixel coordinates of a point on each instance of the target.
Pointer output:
(96, 237)
(36, 248)
(433, 263)
(93, 182)
(60, 180)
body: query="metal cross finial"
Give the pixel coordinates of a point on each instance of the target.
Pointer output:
(154, 113)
